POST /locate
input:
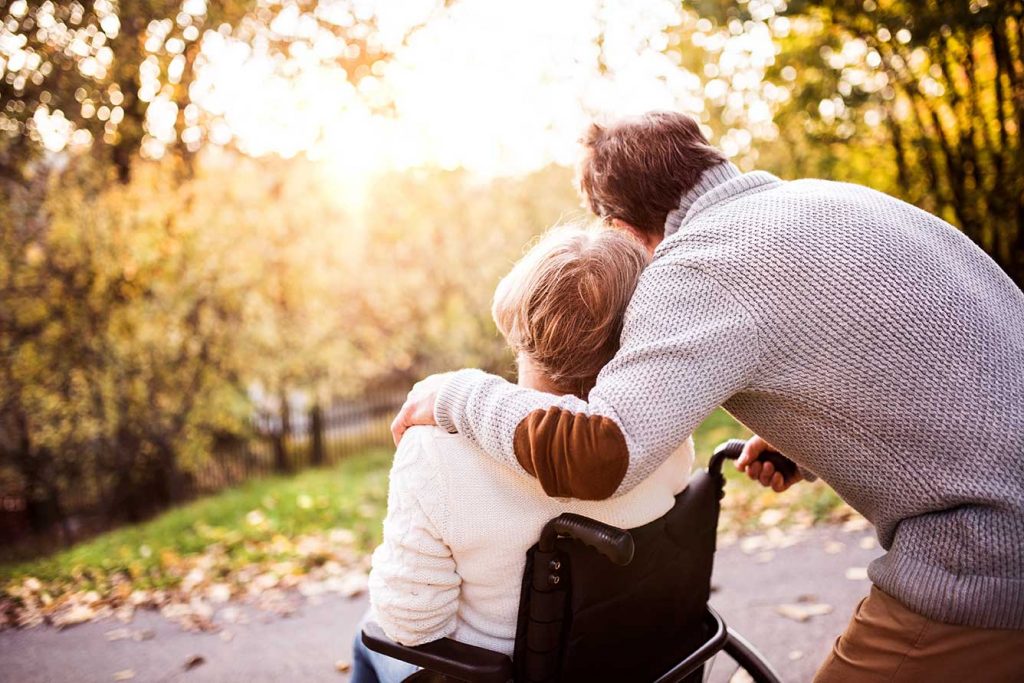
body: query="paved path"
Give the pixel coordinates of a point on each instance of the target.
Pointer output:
(753, 577)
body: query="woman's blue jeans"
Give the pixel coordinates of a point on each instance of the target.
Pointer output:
(372, 667)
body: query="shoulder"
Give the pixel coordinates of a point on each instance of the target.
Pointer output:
(431, 457)
(418, 471)
(431, 448)
(417, 444)
(684, 279)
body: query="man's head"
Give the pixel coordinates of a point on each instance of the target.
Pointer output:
(634, 171)
(561, 307)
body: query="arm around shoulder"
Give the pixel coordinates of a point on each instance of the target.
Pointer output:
(688, 344)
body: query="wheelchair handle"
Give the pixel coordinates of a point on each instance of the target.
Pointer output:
(614, 543)
(731, 450)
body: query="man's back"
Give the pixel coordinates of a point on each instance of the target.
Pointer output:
(889, 349)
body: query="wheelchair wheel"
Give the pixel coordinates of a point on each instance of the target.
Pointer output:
(748, 661)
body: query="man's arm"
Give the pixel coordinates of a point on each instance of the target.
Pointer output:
(687, 345)
(414, 587)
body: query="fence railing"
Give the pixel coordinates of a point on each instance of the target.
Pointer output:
(311, 438)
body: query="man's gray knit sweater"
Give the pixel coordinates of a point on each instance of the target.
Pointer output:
(868, 340)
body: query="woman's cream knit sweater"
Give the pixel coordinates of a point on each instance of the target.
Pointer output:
(457, 530)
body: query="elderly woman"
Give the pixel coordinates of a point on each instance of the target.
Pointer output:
(459, 525)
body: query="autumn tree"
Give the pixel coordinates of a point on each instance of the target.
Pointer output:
(923, 99)
(92, 71)
(139, 302)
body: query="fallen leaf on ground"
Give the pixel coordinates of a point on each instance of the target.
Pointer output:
(857, 573)
(868, 543)
(741, 676)
(194, 661)
(219, 593)
(771, 517)
(143, 634)
(353, 584)
(75, 615)
(752, 543)
(196, 584)
(255, 518)
(118, 634)
(124, 675)
(803, 611)
(857, 523)
(342, 536)
(795, 655)
(342, 666)
(231, 615)
(834, 547)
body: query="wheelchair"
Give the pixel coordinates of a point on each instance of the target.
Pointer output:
(605, 604)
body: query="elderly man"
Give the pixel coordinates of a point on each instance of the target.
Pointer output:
(871, 342)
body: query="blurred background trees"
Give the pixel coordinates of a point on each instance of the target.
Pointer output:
(946, 81)
(170, 268)
(924, 100)
(119, 72)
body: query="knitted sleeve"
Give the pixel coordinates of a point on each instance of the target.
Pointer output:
(414, 588)
(687, 345)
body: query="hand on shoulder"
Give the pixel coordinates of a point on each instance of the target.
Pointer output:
(418, 408)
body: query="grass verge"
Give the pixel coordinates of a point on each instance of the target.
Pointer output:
(247, 524)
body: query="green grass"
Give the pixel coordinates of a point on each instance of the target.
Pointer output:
(717, 428)
(243, 523)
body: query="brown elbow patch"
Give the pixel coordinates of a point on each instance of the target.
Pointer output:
(572, 455)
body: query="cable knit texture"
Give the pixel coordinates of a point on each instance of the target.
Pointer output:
(457, 530)
(868, 340)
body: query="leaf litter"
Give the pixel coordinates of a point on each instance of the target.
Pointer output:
(198, 589)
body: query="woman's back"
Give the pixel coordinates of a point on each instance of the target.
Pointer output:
(458, 528)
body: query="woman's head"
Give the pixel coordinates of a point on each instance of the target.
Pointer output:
(561, 306)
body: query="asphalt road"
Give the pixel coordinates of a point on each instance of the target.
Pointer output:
(817, 570)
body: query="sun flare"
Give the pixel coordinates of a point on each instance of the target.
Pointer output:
(464, 92)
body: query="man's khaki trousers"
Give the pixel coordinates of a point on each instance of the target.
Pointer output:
(886, 641)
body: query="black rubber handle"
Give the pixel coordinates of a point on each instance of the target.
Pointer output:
(614, 543)
(731, 450)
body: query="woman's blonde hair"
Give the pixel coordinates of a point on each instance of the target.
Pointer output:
(563, 303)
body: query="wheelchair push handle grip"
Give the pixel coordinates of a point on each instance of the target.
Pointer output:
(614, 543)
(733, 448)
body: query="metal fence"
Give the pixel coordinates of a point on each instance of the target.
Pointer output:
(311, 438)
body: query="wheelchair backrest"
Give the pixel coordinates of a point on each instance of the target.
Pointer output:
(582, 618)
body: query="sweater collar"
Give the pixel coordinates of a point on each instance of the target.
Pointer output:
(715, 184)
